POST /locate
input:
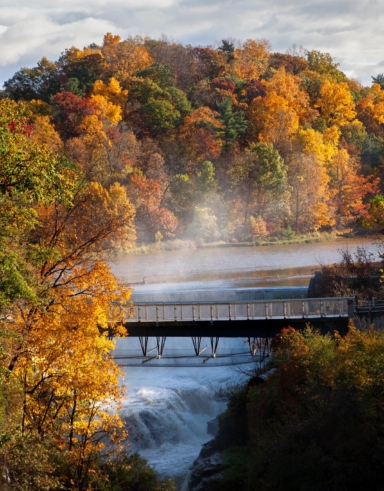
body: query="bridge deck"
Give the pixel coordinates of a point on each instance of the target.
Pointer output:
(313, 308)
(236, 319)
(259, 321)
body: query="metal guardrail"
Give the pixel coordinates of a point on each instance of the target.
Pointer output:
(369, 306)
(226, 311)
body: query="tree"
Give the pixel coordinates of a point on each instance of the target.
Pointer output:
(375, 217)
(111, 91)
(370, 110)
(203, 225)
(335, 103)
(199, 133)
(309, 203)
(70, 110)
(324, 64)
(40, 82)
(316, 422)
(234, 124)
(44, 133)
(29, 174)
(285, 105)
(207, 63)
(260, 177)
(151, 216)
(258, 227)
(291, 63)
(325, 403)
(355, 275)
(59, 294)
(379, 79)
(160, 115)
(161, 109)
(161, 74)
(252, 60)
(124, 58)
(228, 49)
(205, 183)
(323, 145)
(348, 189)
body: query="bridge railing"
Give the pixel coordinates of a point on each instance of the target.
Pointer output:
(275, 309)
(370, 306)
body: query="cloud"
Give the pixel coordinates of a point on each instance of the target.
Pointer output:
(350, 31)
(37, 35)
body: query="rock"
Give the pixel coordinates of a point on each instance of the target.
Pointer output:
(205, 470)
(213, 426)
(261, 379)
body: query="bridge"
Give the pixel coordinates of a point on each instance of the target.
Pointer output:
(259, 321)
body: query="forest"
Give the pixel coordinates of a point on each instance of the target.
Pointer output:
(228, 143)
(317, 422)
(141, 141)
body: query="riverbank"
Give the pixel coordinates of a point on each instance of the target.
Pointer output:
(179, 245)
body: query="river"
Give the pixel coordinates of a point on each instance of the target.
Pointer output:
(278, 265)
(171, 400)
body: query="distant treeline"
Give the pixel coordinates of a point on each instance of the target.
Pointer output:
(229, 142)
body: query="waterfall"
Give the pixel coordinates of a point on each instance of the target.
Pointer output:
(168, 407)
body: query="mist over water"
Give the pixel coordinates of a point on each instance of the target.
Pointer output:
(170, 400)
(278, 265)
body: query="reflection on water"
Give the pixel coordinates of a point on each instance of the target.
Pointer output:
(240, 267)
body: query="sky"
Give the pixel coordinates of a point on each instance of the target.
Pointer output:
(351, 31)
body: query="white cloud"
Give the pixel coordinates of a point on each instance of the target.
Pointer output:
(350, 31)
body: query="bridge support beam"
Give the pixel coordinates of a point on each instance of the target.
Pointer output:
(160, 343)
(197, 345)
(261, 346)
(214, 345)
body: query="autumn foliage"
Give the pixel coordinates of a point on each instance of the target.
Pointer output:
(317, 420)
(142, 140)
(113, 108)
(60, 389)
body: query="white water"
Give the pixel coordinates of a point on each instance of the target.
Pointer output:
(168, 408)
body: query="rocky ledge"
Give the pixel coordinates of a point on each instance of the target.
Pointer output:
(206, 468)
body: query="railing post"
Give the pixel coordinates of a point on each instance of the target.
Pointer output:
(157, 315)
(175, 307)
(138, 313)
(247, 311)
(351, 307)
(321, 308)
(193, 312)
(211, 313)
(303, 308)
(266, 310)
(230, 312)
(285, 310)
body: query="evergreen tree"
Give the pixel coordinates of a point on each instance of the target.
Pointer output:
(234, 124)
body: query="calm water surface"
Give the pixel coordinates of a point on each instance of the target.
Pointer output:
(278, 265)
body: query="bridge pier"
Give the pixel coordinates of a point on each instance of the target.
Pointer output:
(214, 345)
(160, 343)
(261, 346)
(197, 345)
